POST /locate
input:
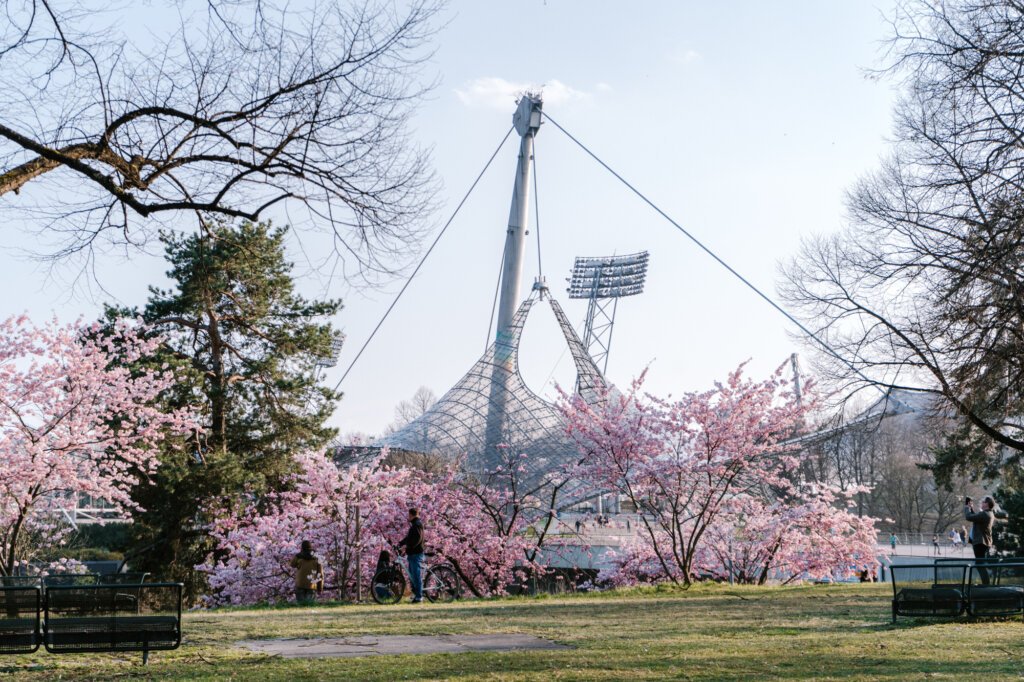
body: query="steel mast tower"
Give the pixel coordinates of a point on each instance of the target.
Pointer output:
(526, 121)
(491, 408)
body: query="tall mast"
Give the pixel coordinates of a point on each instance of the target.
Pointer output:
(797, 388)
(527, 122)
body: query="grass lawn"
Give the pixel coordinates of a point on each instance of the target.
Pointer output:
(706, 633)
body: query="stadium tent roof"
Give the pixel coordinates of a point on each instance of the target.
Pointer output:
(491, 406)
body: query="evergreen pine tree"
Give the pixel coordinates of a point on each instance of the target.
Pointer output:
(248, 346)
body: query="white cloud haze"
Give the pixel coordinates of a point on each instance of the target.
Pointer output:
(686, 57)
(498, 93)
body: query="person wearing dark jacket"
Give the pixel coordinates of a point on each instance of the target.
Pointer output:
(981, 530)
(309, 574)
(413, 544)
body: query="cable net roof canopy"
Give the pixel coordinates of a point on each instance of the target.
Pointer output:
(491, 406)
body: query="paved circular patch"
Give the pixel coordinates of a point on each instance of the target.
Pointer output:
(384, 645)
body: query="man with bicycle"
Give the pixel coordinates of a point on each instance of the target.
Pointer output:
(413, 544)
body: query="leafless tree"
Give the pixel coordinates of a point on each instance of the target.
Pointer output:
(893, 456)
(406, 412)
(848, 456)
(117, 122)
(925, 289)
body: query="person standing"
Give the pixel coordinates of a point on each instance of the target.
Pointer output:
(309, 574)
(981, 530)
(413, 544)
(892, 541)
(935, 544)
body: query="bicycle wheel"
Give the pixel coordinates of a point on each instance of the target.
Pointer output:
(387, 586)
(441, 584)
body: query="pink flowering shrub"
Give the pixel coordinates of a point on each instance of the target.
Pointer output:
(813, 535)
(466, 523)
(495, 522)
(255, 547)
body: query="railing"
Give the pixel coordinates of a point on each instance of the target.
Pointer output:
(917, 539)
(928, 550)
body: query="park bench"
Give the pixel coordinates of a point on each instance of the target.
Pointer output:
(996, 588)
(111, 618)
(89, 613)
(928, 590)
(19, 617)
(949, 588)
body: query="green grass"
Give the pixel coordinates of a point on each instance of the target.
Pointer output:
(706, 633)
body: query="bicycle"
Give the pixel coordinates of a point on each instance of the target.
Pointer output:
(440, 581)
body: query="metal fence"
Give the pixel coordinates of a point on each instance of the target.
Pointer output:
(944, 538)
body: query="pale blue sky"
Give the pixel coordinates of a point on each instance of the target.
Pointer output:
(745, 121)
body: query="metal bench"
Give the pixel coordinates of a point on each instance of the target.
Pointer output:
(19, 617)
(929, 590)
(112, 618)
(996, 588)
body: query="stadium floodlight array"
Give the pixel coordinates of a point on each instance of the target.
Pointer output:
(332, 359)
(609, 276)
(603, 281)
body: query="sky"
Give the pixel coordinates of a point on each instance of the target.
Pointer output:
(744, 121)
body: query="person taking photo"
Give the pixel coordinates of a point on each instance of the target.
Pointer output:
(980, 536)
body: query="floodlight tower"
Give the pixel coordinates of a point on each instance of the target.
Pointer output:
(331, 360)
(603, 281)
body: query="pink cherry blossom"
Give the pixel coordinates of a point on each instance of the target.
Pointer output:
(75, 419)
(478, 522)
(715, 484)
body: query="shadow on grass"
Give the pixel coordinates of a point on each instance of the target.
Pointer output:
(538, 665)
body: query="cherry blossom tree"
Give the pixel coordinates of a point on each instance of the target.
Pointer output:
(73, 421)
(347, 513)
(502, 522)
(707, 469)
(813, 534)
(479, 522)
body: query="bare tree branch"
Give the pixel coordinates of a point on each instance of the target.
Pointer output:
(239, 107)
(925, 289)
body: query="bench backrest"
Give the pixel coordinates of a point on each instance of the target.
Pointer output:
(113, 600)
(20, 581)
(928, 576)
(70, 579)
(1003, 573)
(122, 578)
